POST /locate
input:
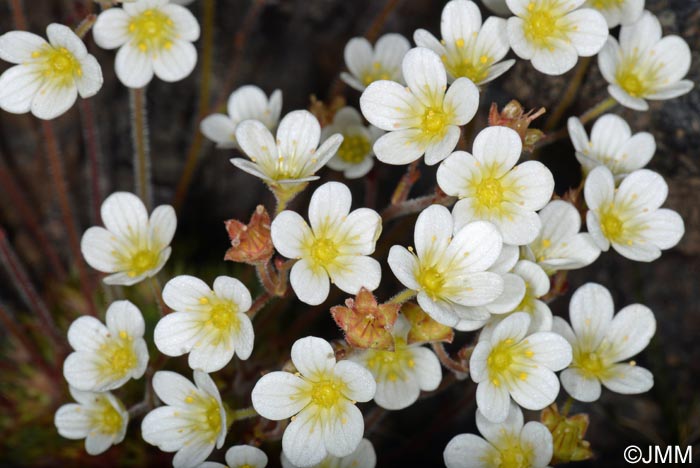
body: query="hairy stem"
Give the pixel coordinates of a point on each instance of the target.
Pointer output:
(142, 152)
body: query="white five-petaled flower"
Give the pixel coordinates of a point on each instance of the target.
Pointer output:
(99, 418)
(511, 363)
(643, 65)
(240, 456)
(246, 103)
(601, 342)
(401, 374)
(449, 272)
(505, 444)
(106, 357)
(287, 163)
(368, 65)
(354, 156)
(364, 456)
(49, 75)
(492, 188)
(469, 49)
(131, 246)
(421, 118)
(537, 284)
(560, 245)
(320, 398)
(153, 37)
(336, 246)
(193, 422)
(612, 145)
(552, 34)
(629, 218)
(209, 325)
(618, 12)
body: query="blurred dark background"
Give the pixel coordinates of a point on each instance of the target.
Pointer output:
(297, 46)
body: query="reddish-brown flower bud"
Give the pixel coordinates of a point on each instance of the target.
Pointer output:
(567, 435)
(423, 328)
(367, 324)
(251, 243)
(514, 116)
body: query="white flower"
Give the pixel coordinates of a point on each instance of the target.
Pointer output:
(240, 456)
(554, 33)
(469, 49)
(492, 188)
(49, 75)
(560, 245)
(645, 66)
(629, 217)
(618, 12)
(506, 444)
(449, 272)
(246, 103)
(106, 357)
(500, 7)
(421, 118)
(293, 158)
(367, 65)
(192, 423)
(511, 363)
(612, 145)
(99, 418)
(401, 374)
(131, 246)
(209, 325)
(354, 156)
(336, 247)
(536, 285)
(320, 398)
(153, 36)
(601, 342)
(363, 457)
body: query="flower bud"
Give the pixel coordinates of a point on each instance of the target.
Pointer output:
(567, 435)
(250, 243)
(367, 324)
(514, 116)
(423, 328)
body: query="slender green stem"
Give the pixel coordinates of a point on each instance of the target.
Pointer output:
(567, 406)
(142, 153)
(569, 95)
(597, 110)
(403, 296)
(85, 25)
(246, 413)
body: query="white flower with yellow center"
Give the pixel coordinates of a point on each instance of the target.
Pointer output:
(289, 162)
(552, 34)
(49, 75)
(511, 363)
(508, 444)
(99, 418)
(246, 103)
(491, 187)
(368, 65)
(449, 272)
(612, 145)
(131, 246)
(320, 398)
(536, 285)
(193, 422)
(629, 218)
(209, 325)
(364, 456)
(106, 357)
(618, 12)
(643, 65)
(153, 37)
(241, 456)
(401, 374)
(335, 248)
(354, 156)
(469, 49)
(601, 342)
(421, 118)
(560, 245)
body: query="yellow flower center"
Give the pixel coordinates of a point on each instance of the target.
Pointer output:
(325, 393)
(324, 251)
(222, 316)
(431, 280)
(629, 80)
(212, 415)
(460, 66)
(141, 262)
(107, 419)
(489, 193)
(544, 24)
(376, 73)
(58, 64)
(390, 365)
(152, 31)
(612, 226)
(118, 356)
(354, 149)
(591, 364)
(513, 456)
(505, 360)
(434, 123)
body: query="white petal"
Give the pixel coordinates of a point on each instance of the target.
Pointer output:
(638, 252)
(18, 46)
(98, 246)
(133, 67)
(427, 367)
(184, 292)
(163, 428)
(538, 390)
(459, 20)
(494, 432)
(53, 100)
(467, 451)
(351, 81)
(362, 228)
(298, 135)
(343, 433)
(626, 100)
(184, 21)
(579, 386)
(637, 151)
(87, 334)
(175, 63)
(518, 226)
(124, 215)
(480, 288)
(476, 246)
(96, 443)
(90, 82)
(577, 133)
(643, 34)
(535, 277)
(399, 147)
(18, 86)
(289, 234)
(629, 380)
(60, 35)
(521, 45)
(550, 350)
(397, 394)
(533, 184)
(538, 437)
(303, 440)
(594, 228)
(425, 75)
(463, 99)
(360, 385)
(438, 310)
(72, 422)
(642, 189)
(355, 272)
(513, 292)
(311, 285)
(513, 327)
(556, 60)
(438, 150)
(591, 31)
(630, 331)
(256, 141)
(492, 401)
(246, 454)
(599, 188)
(176, 333)
(111, 30)
(125, 316)
(590, 311)
(220, 129)
(277, 395)
(313, 357)
(211, 354)
(390, 50)
(664, 228)
(608, 59)
(247, 102)
(456, 171)
(172, 388)
(192, 454)
(671, 91)
(403, 264)
(390, 106)
(329, 204)
(358, 55)
(499, 147)
(423, 38)
(433, 230)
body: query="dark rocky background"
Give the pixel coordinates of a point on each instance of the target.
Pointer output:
(297, 46)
